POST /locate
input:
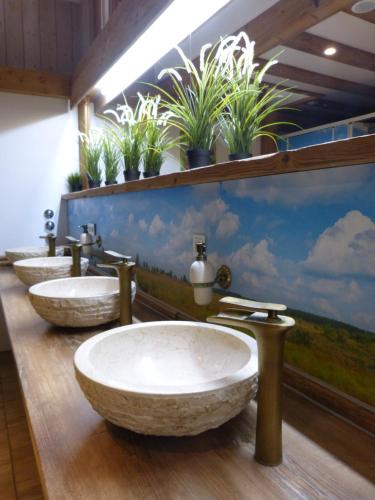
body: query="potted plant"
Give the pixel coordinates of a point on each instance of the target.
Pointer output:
(92, 151)
(197, 101)
(74, 181)
(252, 103)
(128, 132)
(111, 160)
(157, 139)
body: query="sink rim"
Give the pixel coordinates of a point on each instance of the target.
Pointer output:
(85, 367)
(52, 262)
(34, 289)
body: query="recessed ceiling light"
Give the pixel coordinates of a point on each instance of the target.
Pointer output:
(363, 7)
(330, 51)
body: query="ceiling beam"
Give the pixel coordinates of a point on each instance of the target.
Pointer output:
(287, 19)
(122, 29)
(312, 44)
(26, 81)
(320, 80)
(370, 16)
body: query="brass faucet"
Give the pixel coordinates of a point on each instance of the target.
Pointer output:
(76, 249)
(269, 329)
(51, 239)
(125, 271)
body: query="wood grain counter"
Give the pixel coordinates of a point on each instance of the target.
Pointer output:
(81, 457)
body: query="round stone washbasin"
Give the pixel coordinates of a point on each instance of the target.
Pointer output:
(168, 378)
(15, 254)
(38, 269)
(77, 302)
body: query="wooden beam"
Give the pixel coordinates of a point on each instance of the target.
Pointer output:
(369, 17)
(131, 19)
(355, 151)
(288, 18)
(84, 128)
(26, 81)
(325, 81)
(312, 44)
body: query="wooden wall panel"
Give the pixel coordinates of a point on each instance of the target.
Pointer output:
(2, 34)
(31, 33)
(14, 33)
(64, 38)
(48, 39)
(76, 33)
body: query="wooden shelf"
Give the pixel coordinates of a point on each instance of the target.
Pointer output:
(354, 151)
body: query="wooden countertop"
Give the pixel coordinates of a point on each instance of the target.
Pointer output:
(81, 457)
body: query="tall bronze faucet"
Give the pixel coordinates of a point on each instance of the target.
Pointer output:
(125, 271)
(76, 249)
(51, 239)
(269, 328)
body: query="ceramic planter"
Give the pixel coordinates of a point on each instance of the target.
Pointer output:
(131, 175)
(150, 173)
(198, 157)
(75, 187)
(109, 183)
(94, 184)
(239, 156)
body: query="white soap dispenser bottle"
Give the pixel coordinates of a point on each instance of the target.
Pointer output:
(202, 276)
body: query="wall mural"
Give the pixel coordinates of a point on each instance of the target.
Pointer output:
(304, 239)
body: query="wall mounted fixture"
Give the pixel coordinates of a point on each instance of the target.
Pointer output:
(175, 23)
(203, 276)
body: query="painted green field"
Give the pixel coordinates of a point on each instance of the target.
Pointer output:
(338, 353)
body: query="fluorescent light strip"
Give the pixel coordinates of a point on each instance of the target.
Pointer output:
(180, 19)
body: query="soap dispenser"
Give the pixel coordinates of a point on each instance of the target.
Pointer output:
(202, 276)
(86, 240)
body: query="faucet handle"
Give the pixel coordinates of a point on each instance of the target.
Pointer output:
(244, 305)
(48, 236)
(72, 240)
(116, 255)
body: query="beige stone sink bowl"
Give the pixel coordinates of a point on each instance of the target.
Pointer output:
(77, 302)
(21, 253)
(38, 269)
(168, 378)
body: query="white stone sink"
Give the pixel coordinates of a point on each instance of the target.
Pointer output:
(15, 254)
(77, 302)
(168, 378)
(38, 269)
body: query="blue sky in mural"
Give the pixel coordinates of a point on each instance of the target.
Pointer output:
(306, 239)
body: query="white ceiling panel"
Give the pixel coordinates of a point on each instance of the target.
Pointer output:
(323, 65)
(347, 29)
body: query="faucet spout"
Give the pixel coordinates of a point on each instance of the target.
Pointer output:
(125, 271)
(269, 329)
(51, 239)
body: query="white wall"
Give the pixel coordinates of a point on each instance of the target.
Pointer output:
(38, 149)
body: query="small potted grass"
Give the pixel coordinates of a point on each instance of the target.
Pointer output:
(92, 151)
(197, 101)
(111, 160)
(245, 117)
(157, 139)
(128, 131)
(74, 181)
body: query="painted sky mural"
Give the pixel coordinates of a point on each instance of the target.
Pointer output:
(305, 239)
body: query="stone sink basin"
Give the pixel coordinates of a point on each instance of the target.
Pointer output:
(15, 254)
(168, 378)
(78, 302)
(38, 269)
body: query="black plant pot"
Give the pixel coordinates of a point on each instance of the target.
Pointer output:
(239, 156)
(109, 183)
(131, 175)
(94, 184)
(198, 157)
(75, 187)
(151, 173)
